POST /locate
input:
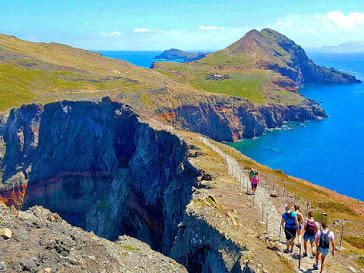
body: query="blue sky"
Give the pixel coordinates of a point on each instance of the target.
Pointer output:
(160, 24)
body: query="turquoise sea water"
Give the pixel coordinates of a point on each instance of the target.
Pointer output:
(139, 58)
(330, 152)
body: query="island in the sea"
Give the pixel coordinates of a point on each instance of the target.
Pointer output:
(177, 54)
(113, 149)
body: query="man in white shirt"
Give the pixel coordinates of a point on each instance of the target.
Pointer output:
(324, 238)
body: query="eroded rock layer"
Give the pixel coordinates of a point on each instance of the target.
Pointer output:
(102, 169)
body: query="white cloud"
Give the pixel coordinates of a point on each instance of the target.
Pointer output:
(309, 30)
(207, 27)
(351, 21)
(313, 30)
(141, 30)
(113, 34)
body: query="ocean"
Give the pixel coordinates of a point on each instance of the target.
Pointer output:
(139, 58)
(329, 152)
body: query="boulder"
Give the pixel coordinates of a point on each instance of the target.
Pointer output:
(5, 233)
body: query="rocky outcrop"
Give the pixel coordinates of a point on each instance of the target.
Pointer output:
(269, 49)
(104, 170)
(176, 54)
(44, 243)
(232, 119)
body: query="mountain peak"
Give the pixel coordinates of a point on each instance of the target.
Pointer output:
(268, 49)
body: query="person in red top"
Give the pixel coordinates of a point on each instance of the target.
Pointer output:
(311, 227)
(255, 182)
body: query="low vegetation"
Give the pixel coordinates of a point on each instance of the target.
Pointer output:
(328, 206)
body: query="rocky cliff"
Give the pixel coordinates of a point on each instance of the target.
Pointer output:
(42, 242)
(269, 49)
(232, 119)
(102, 169)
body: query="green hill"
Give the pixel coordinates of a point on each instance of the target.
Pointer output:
(264, 67)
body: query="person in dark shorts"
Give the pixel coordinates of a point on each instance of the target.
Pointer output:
(254, 179)
(255, 182)
(290, 224)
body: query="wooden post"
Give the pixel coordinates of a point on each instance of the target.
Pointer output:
(266, 178)
(284, 191)
(247, 186)
(299, 258)
(342, 233)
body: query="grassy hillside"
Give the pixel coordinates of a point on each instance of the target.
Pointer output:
(257, 85)
(263, 66)
(244, 66)
(322, 201)
(45, 72)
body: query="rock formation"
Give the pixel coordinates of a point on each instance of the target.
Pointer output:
(44, 243)
(269, 49)
(176, 54)
(102, 169)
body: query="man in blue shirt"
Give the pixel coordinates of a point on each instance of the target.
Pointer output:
(290, 225)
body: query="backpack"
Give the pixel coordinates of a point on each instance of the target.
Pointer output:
(311, 227)
(290, 221)
(324, 240)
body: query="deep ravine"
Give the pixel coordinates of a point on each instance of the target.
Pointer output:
(101, 168)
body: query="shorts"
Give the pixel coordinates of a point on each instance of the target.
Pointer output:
(254, 186)
(307, 237)
(324, 251)
(290, 233)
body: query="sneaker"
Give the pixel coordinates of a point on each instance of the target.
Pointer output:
(315, 267)
(305, 255)
(286, 251)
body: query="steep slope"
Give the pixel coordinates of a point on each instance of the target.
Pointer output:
(103, 169)
(56, 246)
(49, 72)
(262, 66)
(269, 49)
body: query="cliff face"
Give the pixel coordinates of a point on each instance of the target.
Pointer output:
(52, 245)
(232, 119)
(269, 49)
(102, 169)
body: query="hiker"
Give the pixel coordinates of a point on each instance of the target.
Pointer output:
(290, 224)
(255, 182)
(252, 172)
(324, 238)
(300, 223)
(311, 227)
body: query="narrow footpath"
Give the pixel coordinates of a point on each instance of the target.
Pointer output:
(263, 201)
